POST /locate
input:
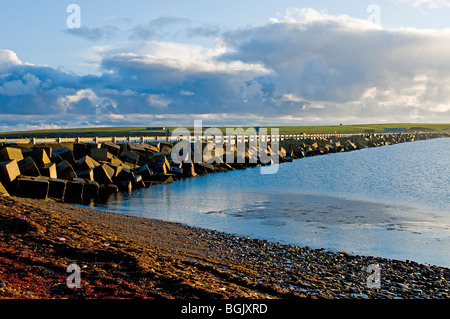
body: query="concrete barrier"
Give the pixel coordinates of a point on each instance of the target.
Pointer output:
(127, 166)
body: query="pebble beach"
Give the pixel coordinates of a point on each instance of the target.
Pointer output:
(131, 257)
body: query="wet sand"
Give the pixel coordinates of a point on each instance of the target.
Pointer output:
(131, 257)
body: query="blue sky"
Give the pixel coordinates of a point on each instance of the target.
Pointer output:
(224, 62)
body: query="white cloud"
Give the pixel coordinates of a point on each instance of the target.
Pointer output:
(433, 4)
(309, 67)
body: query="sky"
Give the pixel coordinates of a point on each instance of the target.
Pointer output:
(152, 63)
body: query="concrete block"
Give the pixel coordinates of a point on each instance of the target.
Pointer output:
(136, 148)
(159, 163)
(117, 169)
(10, 153)
(165, 147)
(65, 170)
(125, 174)
(125, 185)
(3, 191)
(28, 167)
(189, 170)
(86, 163)
(31, 187)
(114, 160)
(99, 154)
(74, 191)
(48, 170)
(150, 149)
(79, 150)
(65, 153)
(145, 172)
(90, 191)
(57, 188)
(103, 174)
(9, 170)
(129, 157)
(46, 147)
(87, 174)
(138, 182)
(112, 148)
(40, 156)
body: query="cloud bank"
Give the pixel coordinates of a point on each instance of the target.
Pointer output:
(308, 68)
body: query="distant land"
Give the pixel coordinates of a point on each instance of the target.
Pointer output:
(152, 131)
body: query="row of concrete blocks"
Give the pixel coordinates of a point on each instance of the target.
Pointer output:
(90, 172)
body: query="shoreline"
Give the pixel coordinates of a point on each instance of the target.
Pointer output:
(123, 256)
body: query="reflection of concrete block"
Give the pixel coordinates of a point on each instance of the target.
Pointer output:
(106, 190)
(28, 167)
(48, 170)
(9, 170)
(10, 153)
(32, 187)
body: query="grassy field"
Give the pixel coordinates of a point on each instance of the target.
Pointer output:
(142, 131)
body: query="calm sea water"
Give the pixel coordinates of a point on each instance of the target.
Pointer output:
(392, 201)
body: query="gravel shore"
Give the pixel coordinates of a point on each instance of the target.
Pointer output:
(131, 257)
